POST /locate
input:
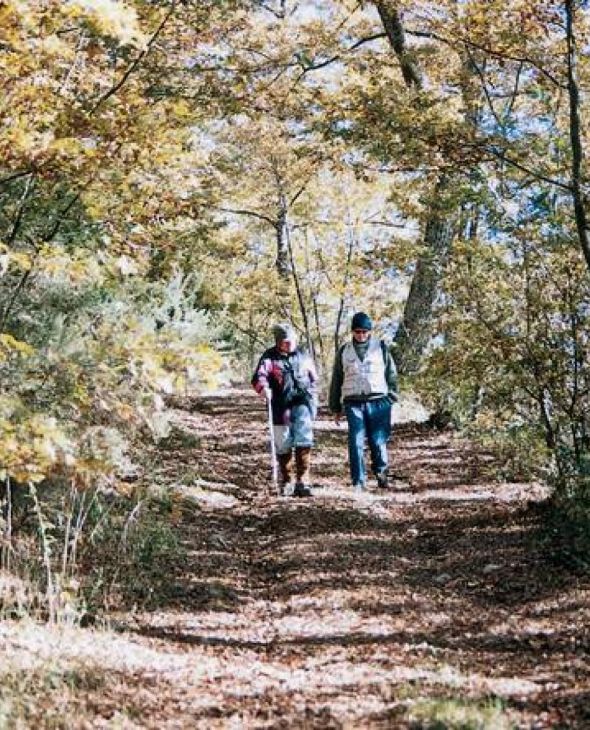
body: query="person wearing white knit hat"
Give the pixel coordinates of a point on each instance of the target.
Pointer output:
(286, 376)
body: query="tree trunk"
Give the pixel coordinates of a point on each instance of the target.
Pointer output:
(352, 242)
(415, 329)
(282, 261)
(575, 135)
(394, 29)
(299, 291)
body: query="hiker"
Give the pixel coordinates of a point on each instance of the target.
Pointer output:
(364, 385)
(286, 376)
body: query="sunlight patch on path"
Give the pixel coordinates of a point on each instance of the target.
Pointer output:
(205, 495)
(404, 494)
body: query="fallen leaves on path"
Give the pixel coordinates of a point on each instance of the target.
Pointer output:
(337, 611)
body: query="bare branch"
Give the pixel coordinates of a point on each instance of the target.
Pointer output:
(339, 56)
(481, 76)
(15, 176)
(490, 51)
(251, 213)
(21, 210)
(134, 65)
(508, 110)
(503, 157)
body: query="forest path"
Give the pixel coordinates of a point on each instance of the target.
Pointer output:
(340, 612)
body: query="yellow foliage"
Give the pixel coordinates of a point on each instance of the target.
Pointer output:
(73, 269)
(33, 448)
(108, 17)
(9, 345)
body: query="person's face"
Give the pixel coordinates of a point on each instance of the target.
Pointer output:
(285, 346)
(360, 335)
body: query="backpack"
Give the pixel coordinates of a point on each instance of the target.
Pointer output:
(295, 392)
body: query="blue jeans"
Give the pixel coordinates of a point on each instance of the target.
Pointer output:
(297, 433)
(373, 420)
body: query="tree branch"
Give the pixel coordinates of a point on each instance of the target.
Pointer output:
(338, 56)
(15, 176)
(25, 277)
(488, 50)
(114, 89)
(395, 33)
(21, 210)
(484, 86)
(508, 110)
(503, 157)
(251, 213)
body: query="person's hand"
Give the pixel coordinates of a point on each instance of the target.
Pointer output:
(338, 418)
(266, 393)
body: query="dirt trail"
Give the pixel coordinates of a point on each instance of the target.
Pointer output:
(339, 612)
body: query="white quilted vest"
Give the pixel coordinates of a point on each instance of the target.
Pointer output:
(366, 376)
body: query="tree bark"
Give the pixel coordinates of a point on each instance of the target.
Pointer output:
(414, 331)
(352, 242)
(394, 30)
(299, 292)
(575, 134)
(282, 260)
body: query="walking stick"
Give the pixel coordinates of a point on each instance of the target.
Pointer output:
(273, 450)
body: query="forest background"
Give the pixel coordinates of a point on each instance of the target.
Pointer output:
(176, 176)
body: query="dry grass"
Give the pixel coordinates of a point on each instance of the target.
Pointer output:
(450, 714)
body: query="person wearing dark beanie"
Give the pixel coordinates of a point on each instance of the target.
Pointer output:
(364, 386)
(361, 321)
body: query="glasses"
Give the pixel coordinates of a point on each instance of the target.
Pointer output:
(361, 332)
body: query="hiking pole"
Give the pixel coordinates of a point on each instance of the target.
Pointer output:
(273, 450)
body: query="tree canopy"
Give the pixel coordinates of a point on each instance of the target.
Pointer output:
(176, 176)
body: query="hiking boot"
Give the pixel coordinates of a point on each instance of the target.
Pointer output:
(382, 481)
(286, 473)
(302, 463)
(301, 490)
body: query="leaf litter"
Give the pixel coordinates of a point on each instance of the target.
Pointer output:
(332, 612)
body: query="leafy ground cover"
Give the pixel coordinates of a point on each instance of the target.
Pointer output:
(433, 605)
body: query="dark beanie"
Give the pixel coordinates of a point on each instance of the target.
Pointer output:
(361, 321)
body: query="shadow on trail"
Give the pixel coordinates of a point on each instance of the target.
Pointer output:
(428, 643)
(457, 579)
(480, 559)
(488, 558)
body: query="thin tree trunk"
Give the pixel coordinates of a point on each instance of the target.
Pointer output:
(282, 260)
(575, 134)
(322, 349)
(313, 296)
(349, 254)
(299, 292)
